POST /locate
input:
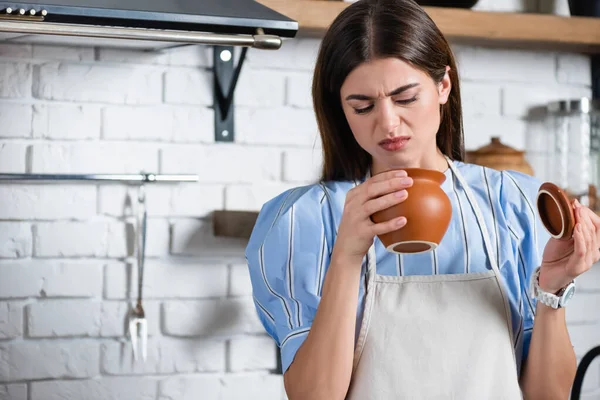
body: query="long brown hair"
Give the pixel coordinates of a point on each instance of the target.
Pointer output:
(363, 31)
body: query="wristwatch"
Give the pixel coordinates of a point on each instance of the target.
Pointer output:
(555, 301)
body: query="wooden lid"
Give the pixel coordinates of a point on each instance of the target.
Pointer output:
(556, 211)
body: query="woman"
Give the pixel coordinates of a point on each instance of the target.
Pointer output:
(355, 321)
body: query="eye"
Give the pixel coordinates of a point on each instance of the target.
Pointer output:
(363, 110)
(407, 101)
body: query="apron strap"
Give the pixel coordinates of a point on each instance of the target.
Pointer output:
(478, 215)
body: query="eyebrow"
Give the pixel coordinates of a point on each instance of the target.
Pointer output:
(392, 93)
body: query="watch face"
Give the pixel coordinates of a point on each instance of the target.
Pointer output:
(568, 294)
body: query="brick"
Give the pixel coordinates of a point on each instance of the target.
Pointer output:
(15, 120)
(213, 163)
(130, 388)
(192, 200)
(299, 88)
(583, 309)
(193, 125)
(47, 202)
(121, 239)
(188, 86)
(58, 318)
(498, 65)
(121, 200)
(15, 50)
(196, 238)
(574, 69)
(63, 318)
(63, 53)
(527, 100)
(590, 281)
(16, 391)
(212, 318)
(15, 240)
(137, 123)
(252, 386)
(302, 165)
(260, 89)
(223, 387)
(252, 197)
(205, 386)
(480, 99)
(480, 130)
(98, 83)
(106, 158)
(66, 122)
(51, 279)
(167, 279)
(526, 6)
(165, 356)
(133, 56)
(292, 126)
(11, 320)
(12, 158)
(70, 239)
(191, 56)
(297, 54)
(184, 125)
(15, 80)
(74, 359)
(252, 353)
(239, 281)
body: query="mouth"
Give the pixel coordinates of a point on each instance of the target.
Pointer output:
(394, 144)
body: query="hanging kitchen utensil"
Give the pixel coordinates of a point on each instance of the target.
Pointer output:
(138, 325)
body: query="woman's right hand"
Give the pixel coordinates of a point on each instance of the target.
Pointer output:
(357, 231)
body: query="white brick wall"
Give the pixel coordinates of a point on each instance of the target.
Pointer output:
(67, 266)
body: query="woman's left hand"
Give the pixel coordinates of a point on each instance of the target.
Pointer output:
(564, 260)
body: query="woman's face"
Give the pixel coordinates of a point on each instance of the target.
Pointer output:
(393, 110)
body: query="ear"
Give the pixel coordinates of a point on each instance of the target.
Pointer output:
(444, 87)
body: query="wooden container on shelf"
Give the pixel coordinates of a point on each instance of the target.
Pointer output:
(499, 156)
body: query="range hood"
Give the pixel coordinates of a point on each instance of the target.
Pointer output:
(145, 24)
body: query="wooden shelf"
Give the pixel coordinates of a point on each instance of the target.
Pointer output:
(501, 29)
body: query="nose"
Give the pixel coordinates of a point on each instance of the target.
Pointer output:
(388, 119)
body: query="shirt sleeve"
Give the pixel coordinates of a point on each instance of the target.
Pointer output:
(518, 199)
(287, 256)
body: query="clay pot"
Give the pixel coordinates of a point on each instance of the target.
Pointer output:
(499, 156)
(427, 210)
(556, 211)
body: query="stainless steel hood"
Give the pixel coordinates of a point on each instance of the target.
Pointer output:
(145, 24)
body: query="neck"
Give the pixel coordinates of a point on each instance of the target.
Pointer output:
(436, 162)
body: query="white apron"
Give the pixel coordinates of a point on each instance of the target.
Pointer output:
(436, 337)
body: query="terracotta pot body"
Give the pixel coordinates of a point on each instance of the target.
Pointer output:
(427, 210)
(500, 157)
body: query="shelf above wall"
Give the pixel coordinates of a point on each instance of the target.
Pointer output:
(498, 29)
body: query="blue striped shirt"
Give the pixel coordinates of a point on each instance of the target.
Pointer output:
(289, 250)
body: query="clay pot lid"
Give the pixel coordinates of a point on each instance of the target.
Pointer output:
(496, 147)
(556, 211)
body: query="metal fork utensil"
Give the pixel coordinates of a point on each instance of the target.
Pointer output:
(138, 325)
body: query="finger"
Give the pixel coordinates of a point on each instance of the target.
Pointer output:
(579, 245)
(388, 226)
(588, 234)
(378, 189)
(383, 202)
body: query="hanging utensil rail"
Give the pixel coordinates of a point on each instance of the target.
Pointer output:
(131, 178)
